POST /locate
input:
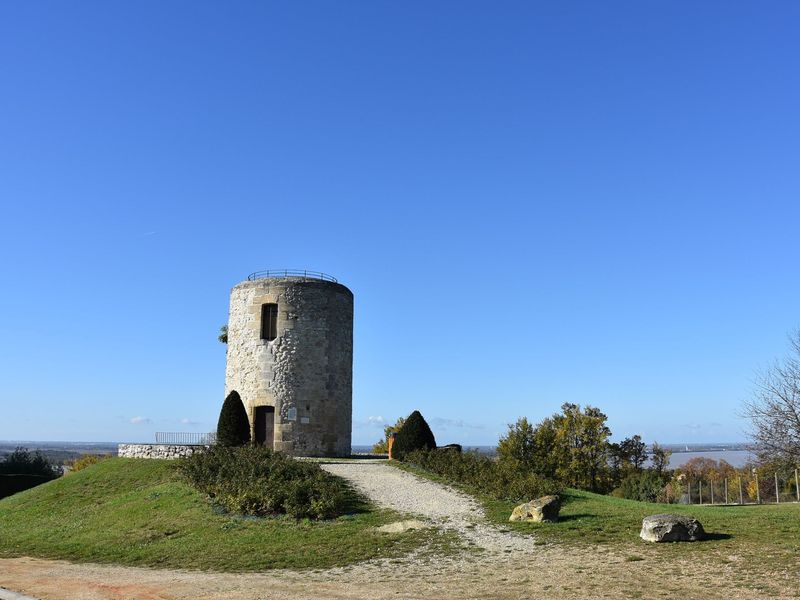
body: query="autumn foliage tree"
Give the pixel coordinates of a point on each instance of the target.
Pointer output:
(701, 467)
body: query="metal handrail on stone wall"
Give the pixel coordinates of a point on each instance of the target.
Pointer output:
(180, 438)
(292, 273)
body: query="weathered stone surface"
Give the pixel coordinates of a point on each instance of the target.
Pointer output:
(162, 451)
(544, 509)
(671, 528)
(401, 526)
(306, 372)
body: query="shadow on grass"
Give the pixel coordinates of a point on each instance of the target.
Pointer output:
(713, 537)
(354, 503)
(576, 517)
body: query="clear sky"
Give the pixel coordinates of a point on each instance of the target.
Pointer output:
(533, 203)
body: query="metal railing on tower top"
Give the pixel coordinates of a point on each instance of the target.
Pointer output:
(291, 273)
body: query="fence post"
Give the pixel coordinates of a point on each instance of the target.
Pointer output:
(777, 492)
(711, 485)
(700, 488)
(797, 485)
(741, 496)
(758, 488)
(726, 490)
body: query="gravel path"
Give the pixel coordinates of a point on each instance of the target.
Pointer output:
(435, 503)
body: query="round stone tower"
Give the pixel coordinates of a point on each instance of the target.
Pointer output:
(290, 357)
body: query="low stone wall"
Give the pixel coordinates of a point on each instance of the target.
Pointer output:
(162, 451)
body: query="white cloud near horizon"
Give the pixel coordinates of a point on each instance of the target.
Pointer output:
(139, 420)
(371, 422)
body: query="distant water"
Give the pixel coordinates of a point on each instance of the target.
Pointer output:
(737, 458)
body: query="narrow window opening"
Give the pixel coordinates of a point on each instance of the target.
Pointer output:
(269, 322)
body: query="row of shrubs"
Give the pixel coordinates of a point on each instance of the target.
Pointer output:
(499, 479)
(254, 480)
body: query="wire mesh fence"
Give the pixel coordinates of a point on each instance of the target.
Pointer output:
(744, 488)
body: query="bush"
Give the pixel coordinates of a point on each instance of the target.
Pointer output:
(254, 480)
(87, 460)
(415, 434)
(23, 462)
(645, 486)
(450, 448)
(501, 479)
(233, 427)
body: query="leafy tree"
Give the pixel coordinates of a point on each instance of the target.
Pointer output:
(660, 457)
(626, 457)
(519, 442)
(382, 447)
(617, 460)
(415, 434)
(571, 447)
(774, 410)
(233, 427)
(534, 448)
(23, 462)
(635, 450)
(582, 436)
(223, 334)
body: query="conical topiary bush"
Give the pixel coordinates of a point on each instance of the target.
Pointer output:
(413, 435)
(233, 427)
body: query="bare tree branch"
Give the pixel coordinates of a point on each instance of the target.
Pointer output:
(774, 410)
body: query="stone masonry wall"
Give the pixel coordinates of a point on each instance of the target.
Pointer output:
(306, 372)
(162, 451)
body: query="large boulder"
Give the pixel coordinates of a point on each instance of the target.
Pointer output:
(544, 509)
(671, 528)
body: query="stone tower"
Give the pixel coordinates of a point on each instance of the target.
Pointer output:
(290, 357)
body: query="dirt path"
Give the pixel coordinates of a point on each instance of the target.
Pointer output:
(550, 573)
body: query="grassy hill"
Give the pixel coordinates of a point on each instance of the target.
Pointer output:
(139, 512)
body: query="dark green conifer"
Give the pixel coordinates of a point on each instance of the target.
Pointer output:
(413, 435)
(233, 427)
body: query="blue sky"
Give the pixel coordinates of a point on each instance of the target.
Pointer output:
(534, 203)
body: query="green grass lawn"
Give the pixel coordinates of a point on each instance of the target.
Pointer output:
(764, 539)
(139, 512)
(765, 536)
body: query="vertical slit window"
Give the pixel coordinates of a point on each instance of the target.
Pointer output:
(269, 322)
